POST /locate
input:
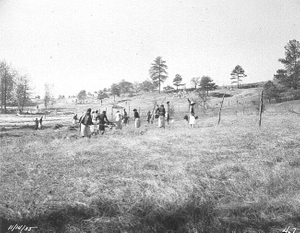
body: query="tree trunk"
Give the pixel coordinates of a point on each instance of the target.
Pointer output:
(5, 91)
(159, 80)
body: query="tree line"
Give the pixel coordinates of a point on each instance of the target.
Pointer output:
(286, 81)
(158, 74)
(14, 88)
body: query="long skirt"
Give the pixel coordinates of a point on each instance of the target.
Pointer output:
(95, 128)
(85, 130)
(102, 127)
(119, 124)
(161, 122)
(125, 120)
(137, 122)
(192, 120)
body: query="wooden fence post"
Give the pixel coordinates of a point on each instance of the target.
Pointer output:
(261, 107)
(237, 106)
(221, 108)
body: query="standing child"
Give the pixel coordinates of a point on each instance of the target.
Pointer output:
(161, 116)
(149, 116)
(36, 121)
(41, 123)
(125, 117)
(94, 120)
(137, 121)
(118, 120)
(168, 112)
(75, 119)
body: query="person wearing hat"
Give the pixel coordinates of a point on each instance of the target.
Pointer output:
(85, 123)
(192, 119)
(161, 116)
(136, 117)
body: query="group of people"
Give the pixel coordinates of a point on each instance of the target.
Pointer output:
(95, 123)
(161, 113)
(92, 122)
(38, 123)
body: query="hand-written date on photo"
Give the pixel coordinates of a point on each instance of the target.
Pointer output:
(20, 228)
(290, 230)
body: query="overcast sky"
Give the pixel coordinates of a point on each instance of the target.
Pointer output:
(88, 45)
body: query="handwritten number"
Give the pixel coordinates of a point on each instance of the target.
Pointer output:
(286, 230)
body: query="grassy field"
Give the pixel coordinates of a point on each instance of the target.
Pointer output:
(234, 177)
(226, 178)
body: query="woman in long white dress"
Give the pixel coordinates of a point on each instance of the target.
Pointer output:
(192, 119)
(118, 120)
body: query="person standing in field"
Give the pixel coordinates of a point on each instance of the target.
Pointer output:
(168, 112)
(118, 117)
(41, 123)
(75, 119)
(95, 123)
(36, 121)
(161, 116)
(125, 117)
(149, 116)
(192, 119)
(137, 121)
(85, 123)
(102, 120)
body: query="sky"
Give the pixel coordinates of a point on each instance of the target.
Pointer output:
(79, 45)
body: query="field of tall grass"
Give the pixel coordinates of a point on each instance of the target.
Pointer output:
(234, 177)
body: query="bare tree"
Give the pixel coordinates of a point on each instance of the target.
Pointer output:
(203, 99)
(195, 81)
(21, 91)
(6, 89)
(48, 94)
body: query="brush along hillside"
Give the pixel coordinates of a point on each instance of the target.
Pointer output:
(213, 178)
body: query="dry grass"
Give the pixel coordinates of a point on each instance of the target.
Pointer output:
(232, 177)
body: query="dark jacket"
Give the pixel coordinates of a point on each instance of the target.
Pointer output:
(86, 120)
(136, 115)
(103, 119)
(161, 111)
(191, 108)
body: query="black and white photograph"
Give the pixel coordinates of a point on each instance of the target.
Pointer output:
(139, 116)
